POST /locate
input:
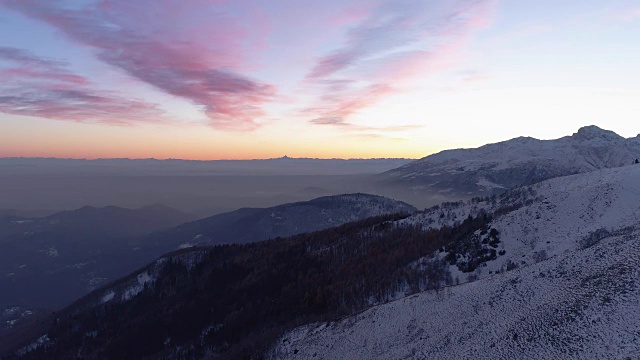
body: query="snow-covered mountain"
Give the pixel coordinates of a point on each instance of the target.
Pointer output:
(518, 162)
(583, 304)
(566, 286)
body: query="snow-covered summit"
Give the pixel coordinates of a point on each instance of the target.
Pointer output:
(517, 162)
(594, 132)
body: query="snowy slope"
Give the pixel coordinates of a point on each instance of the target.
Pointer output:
(517, 162)
(583, 304)
(559, 215)
(576, 242)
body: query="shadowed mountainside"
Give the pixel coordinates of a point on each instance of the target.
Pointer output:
(47, 262)
(251, 224)
(66, 255)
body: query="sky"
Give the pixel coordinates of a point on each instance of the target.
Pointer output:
(248, 79)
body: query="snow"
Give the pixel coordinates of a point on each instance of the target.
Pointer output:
(93, 280)
(523, 160)
(571, 150)
(42, 341)
(569, 209)
(53, 252)
(141, 280)
(11, 323)
(28, 221)
(108, 296)
(583, 304)
(568, 299)
(561, 213)
(132, 287)
(11, 311)
(489, 184)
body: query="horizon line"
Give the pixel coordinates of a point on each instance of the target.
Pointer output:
(285, 157)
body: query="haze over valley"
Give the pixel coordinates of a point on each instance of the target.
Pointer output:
(201, 188)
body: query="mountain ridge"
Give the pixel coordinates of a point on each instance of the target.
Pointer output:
(517, 162)
(253, 224)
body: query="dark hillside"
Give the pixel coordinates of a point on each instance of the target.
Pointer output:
(233, 301)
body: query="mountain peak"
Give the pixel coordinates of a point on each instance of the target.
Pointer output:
(593, 132)
(517, 162)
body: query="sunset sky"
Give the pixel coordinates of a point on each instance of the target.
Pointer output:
(239, 79)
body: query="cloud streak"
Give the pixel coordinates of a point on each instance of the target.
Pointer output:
(201, 51)
(134, 37)
(398, 41)
(34, 86)
(32, 67)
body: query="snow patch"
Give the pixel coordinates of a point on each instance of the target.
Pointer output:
(135, 289)
(108, 296)
(489, 184)
(42, 341)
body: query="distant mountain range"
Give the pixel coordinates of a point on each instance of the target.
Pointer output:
(177, 167)
(518, 162)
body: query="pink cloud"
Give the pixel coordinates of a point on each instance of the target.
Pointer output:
(397, 42)
(334, 108)
(197, 58)
(200, 50)
(28, 66)
(34, 86)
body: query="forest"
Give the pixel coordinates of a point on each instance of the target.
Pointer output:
(239, 299)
